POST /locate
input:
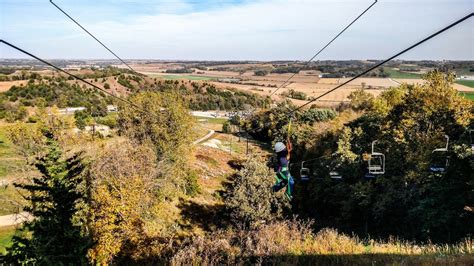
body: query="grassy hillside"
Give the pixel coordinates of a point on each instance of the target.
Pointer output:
(10, 163)
(148, 195)
(6, 234)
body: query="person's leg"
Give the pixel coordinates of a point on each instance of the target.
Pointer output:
(290, 187)
(280, 182)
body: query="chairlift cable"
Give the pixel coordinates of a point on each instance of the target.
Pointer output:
(76, 77)
(387, 60)
(90, 34)
(284, 84)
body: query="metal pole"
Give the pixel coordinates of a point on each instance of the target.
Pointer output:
(93, 131)
(239, 133)
(247, 146)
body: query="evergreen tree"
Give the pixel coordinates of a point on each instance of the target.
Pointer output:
(55, 235)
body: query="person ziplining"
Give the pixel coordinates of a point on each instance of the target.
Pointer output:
(283, 176)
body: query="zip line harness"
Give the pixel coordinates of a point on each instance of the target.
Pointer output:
(283, 176)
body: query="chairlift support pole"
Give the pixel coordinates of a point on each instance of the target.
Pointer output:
(373, 144)
(247, 146)
(447, 141)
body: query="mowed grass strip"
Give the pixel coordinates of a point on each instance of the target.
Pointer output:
(210, 120)
(396, 74)
(467, 83)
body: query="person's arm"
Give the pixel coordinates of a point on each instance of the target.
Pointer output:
(289, 147)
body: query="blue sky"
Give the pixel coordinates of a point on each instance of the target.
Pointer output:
(236, 29)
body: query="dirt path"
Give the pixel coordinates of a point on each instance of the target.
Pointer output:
(13, 219)
(209, 134)
(394, 81)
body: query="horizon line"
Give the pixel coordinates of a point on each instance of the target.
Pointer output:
(233, 60)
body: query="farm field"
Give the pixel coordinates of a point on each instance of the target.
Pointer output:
(307, 82)
(6, 85)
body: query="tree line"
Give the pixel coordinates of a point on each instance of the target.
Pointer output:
(408, 201)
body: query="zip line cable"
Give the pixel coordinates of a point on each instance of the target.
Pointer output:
(78, 24)
(387, 60)
(324, 47)
(76, 77)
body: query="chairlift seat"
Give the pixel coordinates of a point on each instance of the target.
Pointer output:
(369, 176)
(439, 161)
(376, 163)
(305, 174)
(375, 168)
(435, 169)
(335, 175)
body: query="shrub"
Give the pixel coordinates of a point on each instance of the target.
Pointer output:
(261, 73)
(250, 199)
(317, 115)
(123, 193)
(361, 100)
(295, 94)
(226, 127)
(110, 121)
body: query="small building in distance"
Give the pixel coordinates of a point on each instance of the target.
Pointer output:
(112, 109)
(70, 110)
(465, 78)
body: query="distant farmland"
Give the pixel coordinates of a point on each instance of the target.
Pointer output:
(180, 77)
(173, 77)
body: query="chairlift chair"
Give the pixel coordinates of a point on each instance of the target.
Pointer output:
(376, 162)
(334, 171)
(305, 173)
(439, 159)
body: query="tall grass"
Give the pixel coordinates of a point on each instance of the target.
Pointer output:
(290, 241)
